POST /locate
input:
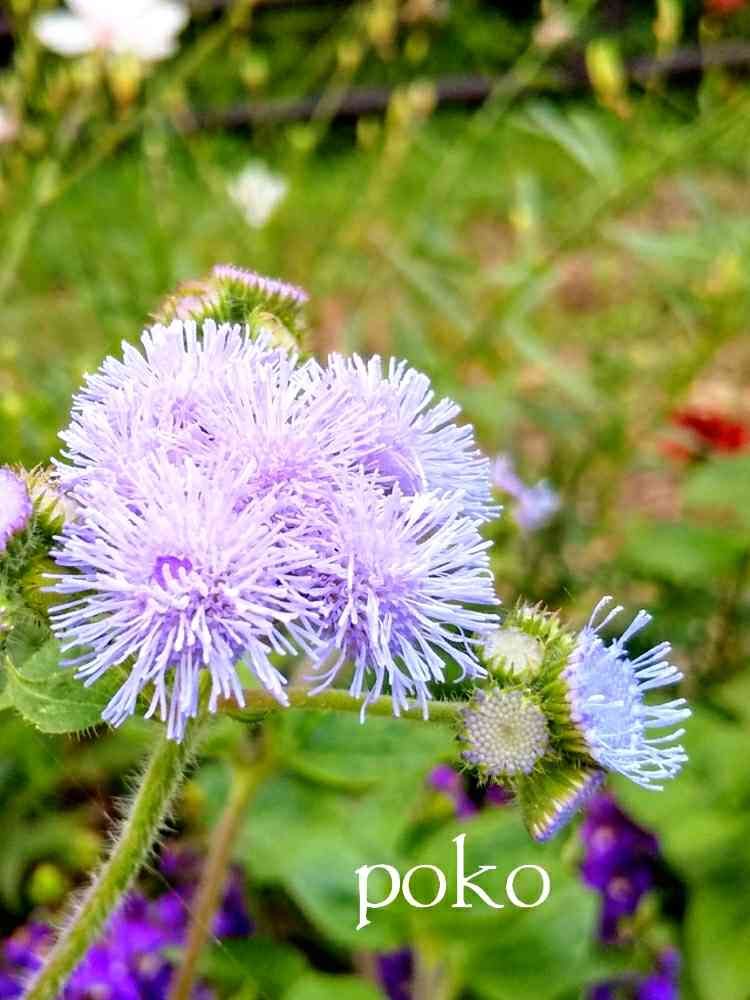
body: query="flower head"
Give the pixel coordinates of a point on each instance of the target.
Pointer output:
(505, 731)
(178, 580)
(257, 192)
(579, 710)
(606, 693)
(146, 29)
(513, 651)
(262, 291)
(393, 599)
(15, 506)
(417, 445)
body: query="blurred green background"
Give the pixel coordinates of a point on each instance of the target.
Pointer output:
(564, 248)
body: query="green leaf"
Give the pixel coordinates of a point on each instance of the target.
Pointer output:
(337, 750)
(5, 698)
(680, 552)
(723, 484)
(701, 815)
(540, 952)
(270, 966)
(316, 986)
(717, 933)
(51, 698)
(311, 840)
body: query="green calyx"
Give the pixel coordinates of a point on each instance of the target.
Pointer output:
(25, 565)
(551, 798)
(265, 306)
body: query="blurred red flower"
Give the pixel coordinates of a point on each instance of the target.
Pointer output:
(724, 7)
(706, 432)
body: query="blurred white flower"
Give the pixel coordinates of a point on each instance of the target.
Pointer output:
(146, 29)
(8, 126)
(257, 191)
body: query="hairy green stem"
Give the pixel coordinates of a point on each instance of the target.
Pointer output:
(259, 703)
(245, 781)
(160, 782)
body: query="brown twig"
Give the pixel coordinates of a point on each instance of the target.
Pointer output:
(463, 91)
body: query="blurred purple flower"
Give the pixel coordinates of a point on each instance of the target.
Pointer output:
(453, 784)
(394, 970)
(661, 984)
(620, 861)
(534, 505)
(131, 960)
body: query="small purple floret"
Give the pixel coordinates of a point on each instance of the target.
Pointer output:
(271, 288)
(15, 506)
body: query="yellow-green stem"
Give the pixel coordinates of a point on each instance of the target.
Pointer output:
(246, 780)
(259, 703)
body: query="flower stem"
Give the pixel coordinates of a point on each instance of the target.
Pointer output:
(259, 703)
(246, 780)
(161, 780)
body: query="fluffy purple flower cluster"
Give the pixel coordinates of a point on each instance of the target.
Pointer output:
(131, 961)
(237, 505)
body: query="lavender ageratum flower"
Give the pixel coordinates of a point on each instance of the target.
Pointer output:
(418, 446)
(170, 399)
(392, 602)
(620, 861)
(178, 581)
(298, 443)
(534, 505)
(606, 693)
(15, 506)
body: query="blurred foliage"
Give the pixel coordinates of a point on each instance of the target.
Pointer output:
(572, 269)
